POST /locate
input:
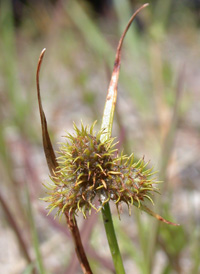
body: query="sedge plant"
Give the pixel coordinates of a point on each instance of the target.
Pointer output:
(88, 172)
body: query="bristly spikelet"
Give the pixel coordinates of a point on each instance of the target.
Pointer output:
(134, 183)
(88, 169)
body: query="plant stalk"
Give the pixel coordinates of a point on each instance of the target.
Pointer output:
(107, 123)
(80, 252)
(112, 240)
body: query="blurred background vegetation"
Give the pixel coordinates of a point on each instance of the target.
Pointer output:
(157, 116)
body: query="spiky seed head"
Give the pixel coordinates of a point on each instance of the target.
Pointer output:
(88, 169)
(84, 165)
(134, 184)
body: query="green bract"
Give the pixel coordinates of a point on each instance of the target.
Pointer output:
(90, 175)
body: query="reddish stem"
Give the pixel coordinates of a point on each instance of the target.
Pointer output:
(72, 224)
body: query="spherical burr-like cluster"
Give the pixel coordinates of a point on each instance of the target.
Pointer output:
(90, 175)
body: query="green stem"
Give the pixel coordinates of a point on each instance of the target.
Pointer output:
(107, 122)
(112, 240)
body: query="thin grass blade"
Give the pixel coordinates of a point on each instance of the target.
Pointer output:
(109, 108)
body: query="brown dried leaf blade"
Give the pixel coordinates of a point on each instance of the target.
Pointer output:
(48, 148)
(157, 216)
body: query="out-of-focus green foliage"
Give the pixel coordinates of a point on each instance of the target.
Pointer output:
(74, 80)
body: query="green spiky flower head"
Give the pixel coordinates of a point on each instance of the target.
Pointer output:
(90, 175)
